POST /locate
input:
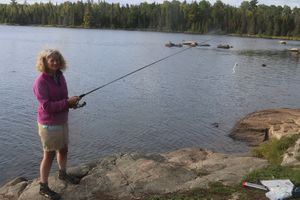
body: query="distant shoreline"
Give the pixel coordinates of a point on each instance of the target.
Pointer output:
(164, 31)
(266, 37)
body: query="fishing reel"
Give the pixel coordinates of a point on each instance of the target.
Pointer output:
(80, 105)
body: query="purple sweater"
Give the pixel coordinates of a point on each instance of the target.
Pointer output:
(52, 96)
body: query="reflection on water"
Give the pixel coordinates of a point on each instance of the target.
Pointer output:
(190, 100)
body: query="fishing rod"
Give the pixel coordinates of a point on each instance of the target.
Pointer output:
(79, 105)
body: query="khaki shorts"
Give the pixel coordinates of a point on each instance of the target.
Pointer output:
(55, 137)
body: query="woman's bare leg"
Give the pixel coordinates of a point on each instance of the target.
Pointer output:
(62, 157)
(46, 165)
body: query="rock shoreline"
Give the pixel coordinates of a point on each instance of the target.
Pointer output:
(136, 176)
(278, 123)
(263, 125)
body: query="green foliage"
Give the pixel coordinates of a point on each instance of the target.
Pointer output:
(87, 17)
(275, 172)
(198, 17)
(274, 149)
(216, 191)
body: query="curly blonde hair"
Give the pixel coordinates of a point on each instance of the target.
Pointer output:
(41, 63)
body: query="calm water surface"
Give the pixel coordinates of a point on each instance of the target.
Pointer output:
(170, 105)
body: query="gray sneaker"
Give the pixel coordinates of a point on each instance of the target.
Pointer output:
(48, 193)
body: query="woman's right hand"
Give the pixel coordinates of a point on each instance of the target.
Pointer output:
(73, 101)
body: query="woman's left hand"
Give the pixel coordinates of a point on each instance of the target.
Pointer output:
(73, 101)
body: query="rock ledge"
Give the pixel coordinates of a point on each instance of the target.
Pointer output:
(135, 176)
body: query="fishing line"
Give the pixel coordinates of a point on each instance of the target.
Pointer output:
(124, 76)
(144, 67)
(117, 79)
(133, 72)
(217, 129)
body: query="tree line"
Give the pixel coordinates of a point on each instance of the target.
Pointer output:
(198, 17)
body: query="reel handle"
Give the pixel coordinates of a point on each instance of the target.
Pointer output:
(80, 105)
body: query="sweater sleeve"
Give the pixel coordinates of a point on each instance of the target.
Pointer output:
(42, 95)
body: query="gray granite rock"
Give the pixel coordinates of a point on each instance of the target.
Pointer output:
(134, 175)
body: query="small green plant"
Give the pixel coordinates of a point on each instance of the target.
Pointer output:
(275, 172)
(274, 149)
(216, 191)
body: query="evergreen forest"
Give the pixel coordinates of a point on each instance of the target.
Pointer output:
(249, 18)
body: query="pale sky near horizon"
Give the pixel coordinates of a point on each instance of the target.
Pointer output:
(236, 3)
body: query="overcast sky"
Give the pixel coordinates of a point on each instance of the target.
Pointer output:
(236, 3)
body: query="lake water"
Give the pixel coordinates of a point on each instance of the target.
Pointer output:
(170, 105)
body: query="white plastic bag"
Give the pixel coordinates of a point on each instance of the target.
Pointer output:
(278, 189)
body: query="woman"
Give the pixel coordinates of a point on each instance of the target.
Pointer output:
(51, 91)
